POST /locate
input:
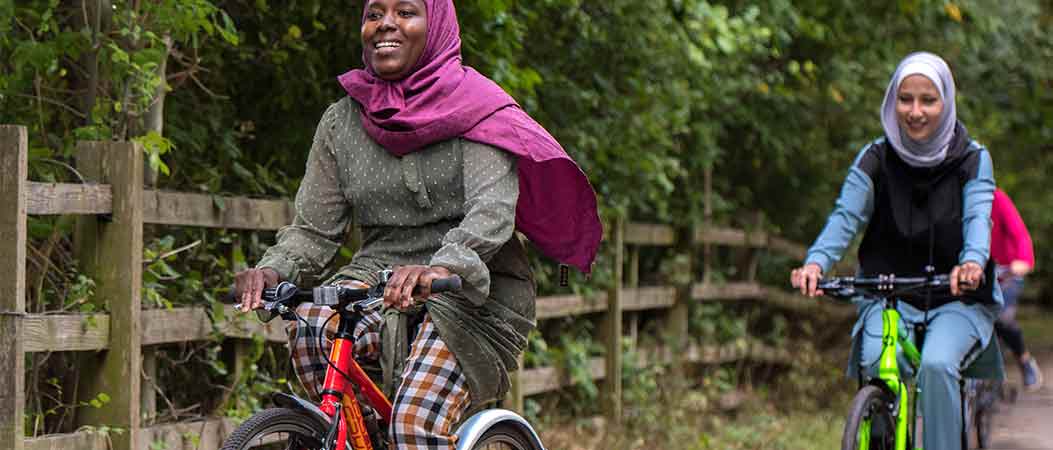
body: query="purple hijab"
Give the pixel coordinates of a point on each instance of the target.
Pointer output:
(442, 99)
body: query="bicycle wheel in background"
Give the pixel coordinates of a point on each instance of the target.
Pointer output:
(870, 425)
(981, 405)
(277, 428)
(504, 437)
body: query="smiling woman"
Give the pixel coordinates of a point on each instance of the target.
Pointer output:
(919, 107)
(394, 33)
(438, 166)
(923, 193)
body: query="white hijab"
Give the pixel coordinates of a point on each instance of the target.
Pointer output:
(931, 152)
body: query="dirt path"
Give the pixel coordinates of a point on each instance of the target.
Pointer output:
(1028, 423)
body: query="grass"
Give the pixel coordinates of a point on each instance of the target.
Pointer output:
(775, 431)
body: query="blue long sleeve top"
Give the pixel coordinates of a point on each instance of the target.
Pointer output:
(855, 206)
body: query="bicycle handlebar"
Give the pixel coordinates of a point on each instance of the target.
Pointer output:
(887, 285)
(283, 298)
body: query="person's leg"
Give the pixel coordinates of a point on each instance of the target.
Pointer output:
(1006, 326)
(1010, 333)
(308, 359)
(1009, 330)
(431, 397)
(950, 344)
(870, 342)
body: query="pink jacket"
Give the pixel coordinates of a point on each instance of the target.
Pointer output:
(1010, 240)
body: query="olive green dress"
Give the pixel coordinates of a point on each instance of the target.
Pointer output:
(451, 204)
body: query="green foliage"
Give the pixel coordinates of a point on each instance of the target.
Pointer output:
(774, 96)
(712, 323)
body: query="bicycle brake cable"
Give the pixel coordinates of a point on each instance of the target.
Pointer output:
(326, 356)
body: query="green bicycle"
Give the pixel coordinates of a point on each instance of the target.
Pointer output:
(883, 414)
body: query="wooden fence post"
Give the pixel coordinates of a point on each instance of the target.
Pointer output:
(677, 318)
(514, 398)
(13, 167)
(112, 253)
(632, 280)
(612, 328)
(707, 214)
(750, 258)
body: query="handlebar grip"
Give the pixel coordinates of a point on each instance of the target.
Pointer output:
(449, 284)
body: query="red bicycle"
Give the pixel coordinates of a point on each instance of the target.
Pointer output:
(341, 421)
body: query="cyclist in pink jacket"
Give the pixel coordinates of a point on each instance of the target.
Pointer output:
(1011, 249)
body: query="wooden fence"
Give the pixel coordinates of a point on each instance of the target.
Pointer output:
(111, 211)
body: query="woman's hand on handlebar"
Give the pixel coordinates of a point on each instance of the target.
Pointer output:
(806, 279)
(249, 285)
(399, 291)
(966, 277)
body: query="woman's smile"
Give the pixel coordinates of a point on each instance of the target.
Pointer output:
(394, 34)
(918, 107)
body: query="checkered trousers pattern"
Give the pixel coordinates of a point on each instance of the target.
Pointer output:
(309, 360)
(433, 392)
(431, 397)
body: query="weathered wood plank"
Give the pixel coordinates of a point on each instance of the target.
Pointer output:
(649, 234)
(200, 434)
(730, 236)
(81, 440)
(68, 198)
(240, 325)
(162, 207)
(116, 264)
(67, 332)
(727, 291)
(164, 326)
(676, 319)
(547, 379)
(190, 435)
(611, 328)
(787, 247)
(800, 303)
(88, 332)
(13, 169)
(570, 305)
(202, 210)
(650, 297)
(514, 398)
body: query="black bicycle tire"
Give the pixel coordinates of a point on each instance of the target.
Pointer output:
(503, 436)
(981, 405)
(983, 429)
(273, 420)
(986, 406)
(868, 400)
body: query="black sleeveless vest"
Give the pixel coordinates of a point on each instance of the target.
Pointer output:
(919, 210)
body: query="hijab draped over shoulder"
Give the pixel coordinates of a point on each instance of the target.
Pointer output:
(443, 99)
(933, 151)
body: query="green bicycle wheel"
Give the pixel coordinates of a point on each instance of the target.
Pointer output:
(870, 425)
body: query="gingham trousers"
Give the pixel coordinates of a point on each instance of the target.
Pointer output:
(432, 394)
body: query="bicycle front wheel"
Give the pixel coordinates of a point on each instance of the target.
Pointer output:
(277, 429)
(870, 424)
(504, 437)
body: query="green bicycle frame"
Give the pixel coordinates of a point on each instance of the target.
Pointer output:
(888, 371)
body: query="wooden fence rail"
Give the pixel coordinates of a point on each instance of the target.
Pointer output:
(112, 208)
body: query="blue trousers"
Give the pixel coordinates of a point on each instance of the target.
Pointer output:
(952, 342)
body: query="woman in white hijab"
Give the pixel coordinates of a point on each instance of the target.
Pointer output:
(923, 193)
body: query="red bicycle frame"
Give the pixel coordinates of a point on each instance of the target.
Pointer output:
(340, 391)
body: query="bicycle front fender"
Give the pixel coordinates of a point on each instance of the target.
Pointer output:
(293, 402)
(472, 430)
